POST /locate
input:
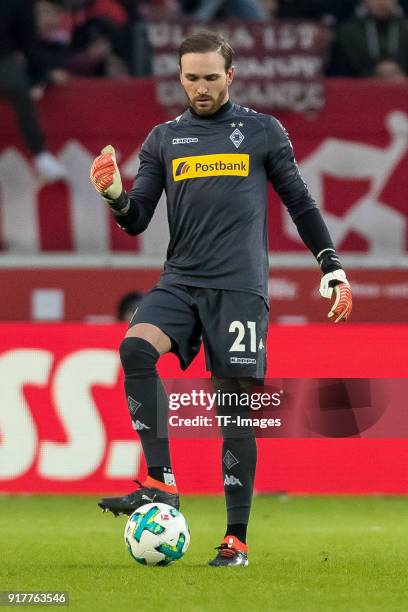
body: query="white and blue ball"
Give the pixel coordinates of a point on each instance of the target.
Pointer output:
(157, 534)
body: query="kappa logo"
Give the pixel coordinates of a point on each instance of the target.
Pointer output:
(231, 481)
(243, 360)
(139, 426)
(184, 140)
(203, 166)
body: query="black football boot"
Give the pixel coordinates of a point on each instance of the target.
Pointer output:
(131, 502)
(231, 552)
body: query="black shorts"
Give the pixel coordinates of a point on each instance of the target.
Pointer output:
(232, 324)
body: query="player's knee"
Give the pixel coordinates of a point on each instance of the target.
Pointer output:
(138, 357)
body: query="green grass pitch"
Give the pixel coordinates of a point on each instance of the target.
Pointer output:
(306, 553)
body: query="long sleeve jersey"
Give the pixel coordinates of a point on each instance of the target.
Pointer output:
(215, 172)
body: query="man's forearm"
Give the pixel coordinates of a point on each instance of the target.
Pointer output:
(129, 215)
(120, 206)
(314, 233)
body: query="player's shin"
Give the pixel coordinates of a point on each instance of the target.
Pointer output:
(239, 455)
(238, 482)
(148, 407)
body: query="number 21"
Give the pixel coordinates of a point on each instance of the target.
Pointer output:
(238, 327)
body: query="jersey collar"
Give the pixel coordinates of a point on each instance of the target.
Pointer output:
(223, 110)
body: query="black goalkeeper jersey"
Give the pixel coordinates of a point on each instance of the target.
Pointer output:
(215, 171)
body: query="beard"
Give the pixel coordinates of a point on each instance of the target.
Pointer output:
(208, 105)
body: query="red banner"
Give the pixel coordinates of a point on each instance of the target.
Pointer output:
(279, 64)
(353, 155)
(93, 294)
(64, 425)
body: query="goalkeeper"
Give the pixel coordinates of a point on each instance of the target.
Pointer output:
(214, 162)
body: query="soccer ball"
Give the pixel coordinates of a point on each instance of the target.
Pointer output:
(157, 534)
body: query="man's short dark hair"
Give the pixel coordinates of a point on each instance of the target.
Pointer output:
(204, 42)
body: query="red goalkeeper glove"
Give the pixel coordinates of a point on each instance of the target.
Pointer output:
(335, 284)
(105, 177)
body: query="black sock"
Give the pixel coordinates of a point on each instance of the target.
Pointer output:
(239, 453)
(239, 530)
(147, 401)
(238, 470)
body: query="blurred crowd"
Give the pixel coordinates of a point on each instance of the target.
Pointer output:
(44, 42)
(94, 37)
